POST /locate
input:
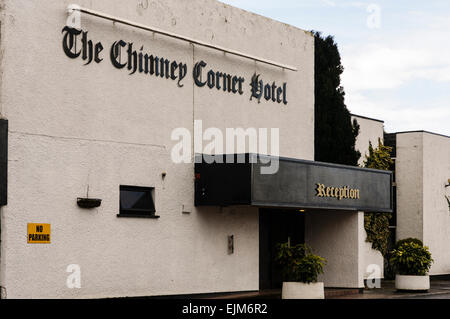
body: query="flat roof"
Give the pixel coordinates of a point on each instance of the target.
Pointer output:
(420, 131)
(311, 33)
(366, 118)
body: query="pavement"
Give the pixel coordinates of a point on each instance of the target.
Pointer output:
(439, 289)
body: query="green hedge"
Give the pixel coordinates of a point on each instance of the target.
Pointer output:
(408, 240)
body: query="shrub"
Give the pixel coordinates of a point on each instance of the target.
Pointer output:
(411, 258)
(377, 224)
(377, 230)
(298, 263)
(408, 240)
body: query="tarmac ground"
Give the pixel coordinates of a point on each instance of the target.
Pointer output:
(439, 289)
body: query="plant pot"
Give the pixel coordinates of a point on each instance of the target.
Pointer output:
(300, 290)
(416, 283)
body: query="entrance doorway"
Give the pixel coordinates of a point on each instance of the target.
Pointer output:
(277, 226)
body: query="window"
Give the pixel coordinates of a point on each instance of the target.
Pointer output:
(137, 202)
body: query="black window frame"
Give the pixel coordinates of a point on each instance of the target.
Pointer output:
(137, 213)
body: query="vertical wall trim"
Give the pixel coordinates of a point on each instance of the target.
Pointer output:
(3, 162)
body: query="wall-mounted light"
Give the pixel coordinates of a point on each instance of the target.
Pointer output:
(231, 245)
(448, 185)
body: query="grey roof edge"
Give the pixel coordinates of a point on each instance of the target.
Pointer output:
(420, 131)
(366, 118)
(310, 162)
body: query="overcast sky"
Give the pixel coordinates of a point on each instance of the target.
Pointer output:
(396, 54)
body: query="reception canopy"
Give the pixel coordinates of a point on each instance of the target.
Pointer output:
(246, 179)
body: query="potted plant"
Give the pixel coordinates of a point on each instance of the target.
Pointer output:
(411, 261)
(300, 269)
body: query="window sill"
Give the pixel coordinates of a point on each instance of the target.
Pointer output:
(138, 216)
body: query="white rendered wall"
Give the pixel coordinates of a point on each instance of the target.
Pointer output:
(423, 168)
(436, 211)
(370, 131)
(371, 257)
(74, 126)
(339, 238)
(409, 179)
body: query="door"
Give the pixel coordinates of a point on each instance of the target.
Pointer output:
(276, 226)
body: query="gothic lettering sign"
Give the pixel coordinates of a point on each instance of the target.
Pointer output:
(340, 193)
(135, 59)
(306, 184)
(270, 92)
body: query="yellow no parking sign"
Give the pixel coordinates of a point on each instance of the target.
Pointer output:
(39, 233)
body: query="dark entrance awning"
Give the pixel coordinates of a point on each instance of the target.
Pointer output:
(296, 184)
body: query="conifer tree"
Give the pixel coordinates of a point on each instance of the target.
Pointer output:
(335, 134)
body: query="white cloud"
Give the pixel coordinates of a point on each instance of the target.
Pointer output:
(357, 4)
(329, 3)
(384, 66)
(380, 66)
(401, 115)
(396, 61)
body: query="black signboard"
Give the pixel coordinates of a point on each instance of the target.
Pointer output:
(295, 184)
(3, 161)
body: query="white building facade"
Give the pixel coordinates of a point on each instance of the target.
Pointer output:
(371, 131)
(92, 108)
(422, 173)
